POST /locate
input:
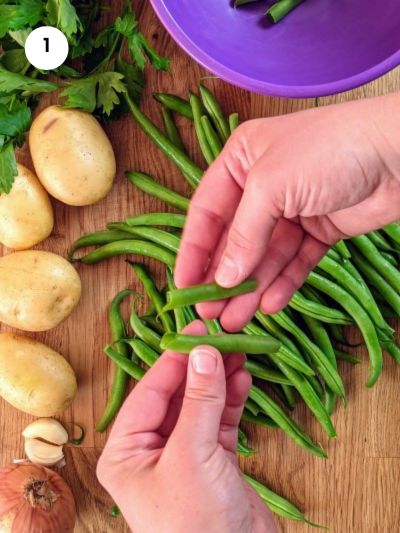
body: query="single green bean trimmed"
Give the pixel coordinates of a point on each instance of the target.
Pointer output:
(198, 110)
(211, 136)
(136, 247)
(205, 293)
(233, 122)
(172, 220)
(224, 343)
(289, 426)
(360, 317)
(145, 333)
(214, 110)
(131, 368)
(170, 150)
(277, 504)
(120, 379)
(175, 103)
(98, 238)
(158, 236)
(154, 294)
(150, 186)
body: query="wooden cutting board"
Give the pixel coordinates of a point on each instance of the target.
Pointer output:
(356, 489)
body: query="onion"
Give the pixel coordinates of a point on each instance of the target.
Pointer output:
(34, 499)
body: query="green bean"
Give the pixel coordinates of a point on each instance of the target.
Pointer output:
(153, 323)
(95, 239)
(170, 128)
(120, 379)
(252, 407)
(233, 122)
(259, 419)
(144, 352)
(288, 400)
(145, 333)
(190, 314)
(389, 294)
(158, 236)
(341, 248)
(344, 356)
(273, 329)
(322, 363)
(348, 282)
(213, 326)
(175, 103)
(211, 136)
(393, 230)
(224, 343)
(389, 257)
(379, 240)
(214, 110)
(244, 450)
(205, 293)
(179, 314)
(360, 317)
(276, 503)
(170, 150)
(284, 354)
(143, 248)
(198, 110)
(371, 252)
(259, 371)
(131, 368)
(154, 295)
(319, 311)
(288, 393)
(173, 220)
(147, 184)
(289, 426)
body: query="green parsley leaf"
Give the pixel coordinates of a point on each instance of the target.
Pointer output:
(19, 14)
(133, 78)
(8, 167)
(99, 91)
(20, 36)
(11, 82)
(15, 119)
(62, 13)
(138, 47)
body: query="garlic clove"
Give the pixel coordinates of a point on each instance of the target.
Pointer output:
(43, 453)
(47, 429)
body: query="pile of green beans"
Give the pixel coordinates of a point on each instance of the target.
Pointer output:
(296, 355)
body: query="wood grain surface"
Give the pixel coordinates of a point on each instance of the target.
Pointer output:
(356, 489)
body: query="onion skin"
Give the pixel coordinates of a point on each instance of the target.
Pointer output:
(22, 512)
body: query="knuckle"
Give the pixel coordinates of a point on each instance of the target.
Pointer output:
(238, 240)
(202, 394)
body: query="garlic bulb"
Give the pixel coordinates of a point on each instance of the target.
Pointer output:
(47, 429)
(44, 440)
(43, 453)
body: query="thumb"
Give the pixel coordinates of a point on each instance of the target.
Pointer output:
(203, 403)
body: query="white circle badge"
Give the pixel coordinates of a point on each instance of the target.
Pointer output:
(46, 48)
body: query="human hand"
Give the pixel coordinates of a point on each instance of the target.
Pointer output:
(282, 191)
(170, 462)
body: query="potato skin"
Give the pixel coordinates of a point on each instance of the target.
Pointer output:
(26, 214)
(38, 290)
(33, 377)
(72, 155)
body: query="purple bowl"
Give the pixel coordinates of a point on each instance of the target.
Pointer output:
(322, 47)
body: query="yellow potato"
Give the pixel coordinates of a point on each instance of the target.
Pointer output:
(26, 214)
(37, 290)
(33, 377)
(72, 155)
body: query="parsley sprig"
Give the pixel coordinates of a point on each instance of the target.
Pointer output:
(111, 63)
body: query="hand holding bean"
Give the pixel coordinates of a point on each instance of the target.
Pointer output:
(170, 462)
(282, 191)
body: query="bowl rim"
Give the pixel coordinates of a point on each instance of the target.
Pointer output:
(264, 87)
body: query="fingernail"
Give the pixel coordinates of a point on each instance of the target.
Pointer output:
(227, 273)
(203, 361)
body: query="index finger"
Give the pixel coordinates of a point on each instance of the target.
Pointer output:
(211, 210)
